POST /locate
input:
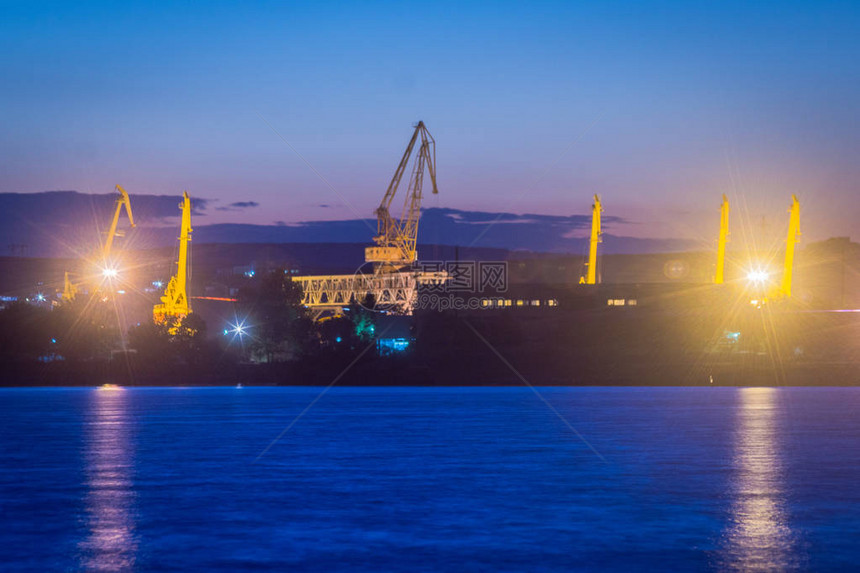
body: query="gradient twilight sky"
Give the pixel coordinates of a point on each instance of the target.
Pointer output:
(657, 106)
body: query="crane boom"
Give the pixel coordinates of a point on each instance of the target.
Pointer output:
(121, 201)
(396, 240)
(790, 241)
(721, 244)
(596, 232)
(174, 302)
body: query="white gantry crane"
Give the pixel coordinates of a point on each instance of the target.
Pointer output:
(395, 278)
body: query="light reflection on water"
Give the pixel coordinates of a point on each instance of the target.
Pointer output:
(110, 544)
(424, 479)
(758, 536)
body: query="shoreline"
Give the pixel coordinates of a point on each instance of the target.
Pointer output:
(808, 375)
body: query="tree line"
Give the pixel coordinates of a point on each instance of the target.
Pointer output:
(87, 331)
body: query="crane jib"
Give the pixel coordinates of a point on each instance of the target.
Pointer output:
(396, 239)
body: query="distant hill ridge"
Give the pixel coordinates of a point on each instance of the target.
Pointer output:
(64, 223)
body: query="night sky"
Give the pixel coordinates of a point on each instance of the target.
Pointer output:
(660, 107)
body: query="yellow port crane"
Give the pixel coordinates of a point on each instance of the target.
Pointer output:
(721, 243)
(70, 289)
(107, 268)
(174, 302)
(596, 232)
(792, 239)
(396, 239)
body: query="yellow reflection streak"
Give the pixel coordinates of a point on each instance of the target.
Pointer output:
(110, 544)
(759, 537)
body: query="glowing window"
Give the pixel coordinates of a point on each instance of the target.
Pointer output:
(388, 346)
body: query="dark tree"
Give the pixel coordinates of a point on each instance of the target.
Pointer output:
(86, 328)
(363, 319)
(152, 344)
(189, 339)
(171, 342)
(25, 333)
(338, 333)
(280, 329)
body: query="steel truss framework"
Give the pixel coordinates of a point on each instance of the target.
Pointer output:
(395, 292)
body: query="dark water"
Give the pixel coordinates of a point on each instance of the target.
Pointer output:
(430, 479)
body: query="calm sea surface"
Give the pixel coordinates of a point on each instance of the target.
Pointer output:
(394, 479)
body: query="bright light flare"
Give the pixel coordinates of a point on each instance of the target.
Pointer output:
(109, 273)
(239, 329)
(757, 276)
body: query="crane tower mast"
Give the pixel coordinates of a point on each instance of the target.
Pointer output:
(174, 302)
(596, 232)
(790, 241)
(719, 276)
